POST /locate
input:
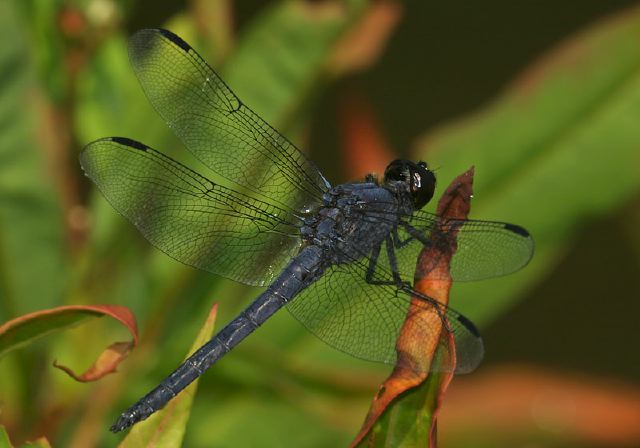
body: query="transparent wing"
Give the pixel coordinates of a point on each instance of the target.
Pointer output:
(364, 320)
(190, 218)
(485, 249)
(217, 127)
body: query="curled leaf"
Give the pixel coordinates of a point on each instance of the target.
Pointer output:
(403, 412)
(106, 363)
(33, 326)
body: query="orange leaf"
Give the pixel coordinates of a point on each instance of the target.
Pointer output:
(106, 363)
(431, 279)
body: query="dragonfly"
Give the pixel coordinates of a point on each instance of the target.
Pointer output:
(339, 258)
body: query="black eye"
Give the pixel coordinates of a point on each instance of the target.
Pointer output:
(397, 170)
(420, 180)
(423, 184)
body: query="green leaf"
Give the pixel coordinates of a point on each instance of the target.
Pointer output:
(408, 422)
(42, 23)
(280, 60)
(558, 148)
(32, 268)
(273, 422)
(5, 442)
(166, 428)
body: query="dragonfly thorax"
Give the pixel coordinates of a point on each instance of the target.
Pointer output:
(355, 218)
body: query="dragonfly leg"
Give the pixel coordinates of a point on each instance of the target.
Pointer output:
(393, 264)
(415, 233)
(373, 262)
(398, 242)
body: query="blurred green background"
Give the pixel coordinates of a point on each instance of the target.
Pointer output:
(542, 97)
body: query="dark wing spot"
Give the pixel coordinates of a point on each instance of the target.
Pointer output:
(175, 39)
(128, 142)
(517, 229)
(468, 325)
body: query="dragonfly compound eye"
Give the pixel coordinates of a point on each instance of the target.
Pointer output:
(418, 177)
(423, 184)
(398, 171)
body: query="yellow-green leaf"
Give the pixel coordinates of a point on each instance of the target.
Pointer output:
(166, 428)
(559, 147)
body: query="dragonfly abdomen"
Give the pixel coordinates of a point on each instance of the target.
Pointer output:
(302, 270)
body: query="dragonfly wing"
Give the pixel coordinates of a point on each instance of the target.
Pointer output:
(189, 217)
(482, 249)
(365, 320)
(221, 131)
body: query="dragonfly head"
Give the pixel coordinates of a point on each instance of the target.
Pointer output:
(419, 179)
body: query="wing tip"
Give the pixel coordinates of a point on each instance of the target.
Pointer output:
(85, 155)
(125, 141)
(175, 39)
(469, 351)
(517, 230)
(468, 325)
(128, 142)
(144, 40)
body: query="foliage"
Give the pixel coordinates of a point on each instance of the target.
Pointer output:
(556, 150)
